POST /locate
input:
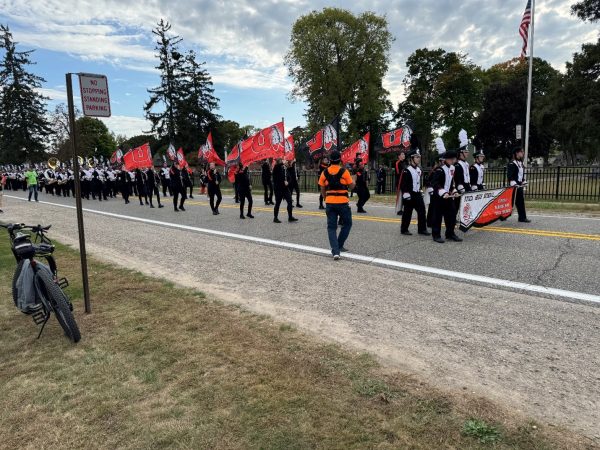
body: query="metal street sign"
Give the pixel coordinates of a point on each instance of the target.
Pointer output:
(519, 132)
(94, 95)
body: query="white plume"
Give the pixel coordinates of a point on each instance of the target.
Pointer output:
(441, 148)
(462, 137)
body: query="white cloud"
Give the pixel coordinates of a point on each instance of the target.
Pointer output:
(127, 125)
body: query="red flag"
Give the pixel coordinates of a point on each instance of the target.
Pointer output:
(116, 157)
(181, 158)
(324, 141)
(267, 143)
(360, 149)
(208, 153)
(235, 156)
(289, 152)
(397, 138)
(139, 157)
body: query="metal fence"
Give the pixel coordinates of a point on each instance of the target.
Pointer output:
(574, 183)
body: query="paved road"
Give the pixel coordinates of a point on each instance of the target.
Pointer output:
(534, 354)
(557, 251)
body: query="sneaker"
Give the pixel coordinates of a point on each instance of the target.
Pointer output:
(343, 249)
(292, 219)
(336, 257)
(276, 220)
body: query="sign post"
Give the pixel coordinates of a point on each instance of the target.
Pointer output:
(96, 103)
(519, 132)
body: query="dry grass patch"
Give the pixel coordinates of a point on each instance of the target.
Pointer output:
(160, 366)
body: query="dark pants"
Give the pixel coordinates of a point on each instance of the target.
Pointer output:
(279, 196)
(33, 189)
(520, 203)
(141, 190)
(268, 187)
(295, 188)
(212, 193)
(415, 203)
(363, 196)
(243, 195)
(152, 191)
(334, 213)
(176, 193)
(442, 208)
(321, 200)
(166, 186)
(380, 187)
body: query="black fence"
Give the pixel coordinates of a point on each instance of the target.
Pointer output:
(576, 183)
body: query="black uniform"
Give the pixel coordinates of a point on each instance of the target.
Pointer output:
(362, 188)
(242, 181)
(188, 181)
(140, 184)
(214, 189)
(410, 186)
(381, 179)
(442, 183)
(152, 183)
(177, 187)
(462, 180)
(476, 173)
(515, 171)
(293, 176)
(124, 185)
(281, 190)
(267, 182)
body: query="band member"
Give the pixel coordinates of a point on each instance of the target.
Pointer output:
(188, 180)
(267, 182)
(152, 183)
(282, 191)
(124, 181)
(324, 164)
(242, 181)
(444, 194)
(515, 171)
(412, 198)
(334, 183)
(140, 184)
(49, 180)
(362, 186)
(165, 180)
(203, 181)
(177, 187)
(214, 188)
(293, 177)
(477, 170)
(398, 169)
(381, 175)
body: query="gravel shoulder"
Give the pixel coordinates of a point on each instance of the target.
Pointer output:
(536, 355)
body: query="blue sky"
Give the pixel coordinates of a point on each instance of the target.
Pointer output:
(243, 43)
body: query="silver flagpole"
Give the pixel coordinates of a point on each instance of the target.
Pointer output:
(529, 83)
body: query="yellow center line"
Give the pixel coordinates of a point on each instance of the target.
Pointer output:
(496, 229)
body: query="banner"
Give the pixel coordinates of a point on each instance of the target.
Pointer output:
(171, 153)
(208, 153)
(289, 151)
(138, 158)
(267, 143)
(360, 149)
(181, 158)
(116, 157)
(481, 208)
(324, 141)
(396, 140)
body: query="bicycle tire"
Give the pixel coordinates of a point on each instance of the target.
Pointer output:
(15, 290)
(60, 303)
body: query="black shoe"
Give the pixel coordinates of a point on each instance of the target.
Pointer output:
(299, 206)
(406, 233)
(425, 233)
(141, 204)
(249, 216)
(191, 196)
(525, 220)
(399, 213)
(454, 238)
(361, 211)
(321, 207)
(343, 249)
(181, 208)
(215, 213)
(292, 219)
(218, 212)
(276, 220)
(439, 240)
(161, 206)
(151, 206)
(176, 210)
(146, 202)
(242, 216)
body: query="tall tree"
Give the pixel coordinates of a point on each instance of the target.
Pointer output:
(587, 10)
(23, 124)
(196, 104)
(337, 61)
(168, 94)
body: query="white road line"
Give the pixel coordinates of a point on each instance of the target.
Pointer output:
(494, 282)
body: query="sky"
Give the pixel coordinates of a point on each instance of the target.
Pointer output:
(243, 43)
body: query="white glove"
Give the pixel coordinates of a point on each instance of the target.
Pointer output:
(513, 183)
(406, 196)
(474, 188)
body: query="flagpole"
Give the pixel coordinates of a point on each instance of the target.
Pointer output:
(529, 83)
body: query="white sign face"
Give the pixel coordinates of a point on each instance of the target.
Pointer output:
(94, 95)
(519, 131)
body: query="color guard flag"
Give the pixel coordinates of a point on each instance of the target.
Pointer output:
(324, 141)
(138, 158)
(208, 153)
(481, 208)
(181, 158)
(397, 138)
(171, 153)
(267, 143)
(360, 149)
(289, 152)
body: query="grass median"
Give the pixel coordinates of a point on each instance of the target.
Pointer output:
(162, 366)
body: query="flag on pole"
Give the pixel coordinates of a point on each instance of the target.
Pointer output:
(324, 141)
(171, 153)
(360, 149)
(208, 153)
(181, 158)
(267, 143)
(139, 157)
(289, 152)
(524, 28)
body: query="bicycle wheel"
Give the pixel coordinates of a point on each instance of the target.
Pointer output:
(57, 298)
(15, 290)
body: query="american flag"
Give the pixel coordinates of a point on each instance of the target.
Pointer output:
(524, 28)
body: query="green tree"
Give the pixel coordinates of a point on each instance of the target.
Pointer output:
(337, 61)
(23, 123)
(226, 133)
(94, 139)
(587, 10)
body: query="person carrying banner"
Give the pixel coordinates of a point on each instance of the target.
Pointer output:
(335, 182)
(267, 182)
(477, 170)
(242, 180)
(442, 199)
(412, 197)
(362, 186)
(282, 191)
(152, 183)
(324, 164)
(140, 183)
(124, 185)
(515, 171)
(293, 177)
(214, 188)
(177, 186)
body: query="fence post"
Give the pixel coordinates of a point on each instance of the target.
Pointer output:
(557, 182)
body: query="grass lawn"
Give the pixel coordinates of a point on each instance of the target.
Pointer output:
(161, 366)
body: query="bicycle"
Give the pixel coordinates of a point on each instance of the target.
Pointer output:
(46, 286)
